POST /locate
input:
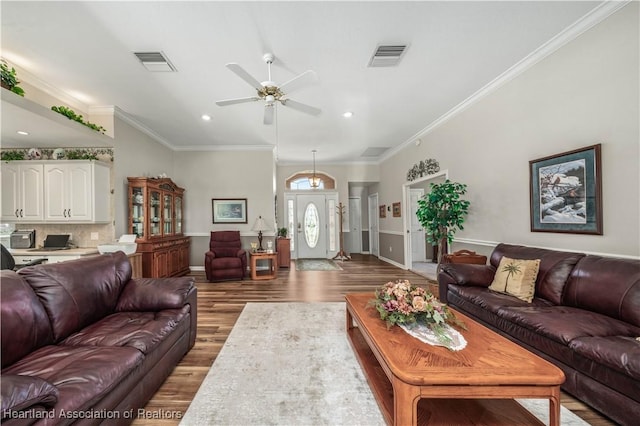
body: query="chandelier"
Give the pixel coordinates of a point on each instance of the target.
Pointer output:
(314, 180)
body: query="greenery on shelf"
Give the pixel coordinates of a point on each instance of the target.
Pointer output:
(282, 232)
(80, 155)
(71, 115)
(12, 155)
(10, 78)
(442, 212)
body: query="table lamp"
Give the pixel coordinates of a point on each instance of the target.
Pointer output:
(260, 225)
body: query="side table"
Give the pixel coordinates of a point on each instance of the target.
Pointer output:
(271, 259)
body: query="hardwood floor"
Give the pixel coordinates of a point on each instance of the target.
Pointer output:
(220, 305)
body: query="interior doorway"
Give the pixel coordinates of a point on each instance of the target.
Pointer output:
(355, 225)
(373, 225)
(416, 259)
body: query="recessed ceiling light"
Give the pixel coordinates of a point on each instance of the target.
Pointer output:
(206, 117)
(22, 132)
(347, 114)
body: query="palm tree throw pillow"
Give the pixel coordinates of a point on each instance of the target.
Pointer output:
(516, 277)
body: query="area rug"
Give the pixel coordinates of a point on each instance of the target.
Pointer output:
(291, 364)
(317, 265)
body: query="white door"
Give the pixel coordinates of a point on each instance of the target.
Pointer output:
(418, 246)
(373, 225)
(355, 224)
(22, 192)
(10, 192)
(311, 226)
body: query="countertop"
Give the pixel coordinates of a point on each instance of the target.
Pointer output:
(80, 251)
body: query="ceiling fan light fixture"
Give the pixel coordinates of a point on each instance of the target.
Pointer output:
(347, 114)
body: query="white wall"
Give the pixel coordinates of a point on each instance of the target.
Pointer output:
(584, 93)
(135, 154)
(224, 174)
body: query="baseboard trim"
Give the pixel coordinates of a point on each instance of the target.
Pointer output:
(494, 243)
(393, 262)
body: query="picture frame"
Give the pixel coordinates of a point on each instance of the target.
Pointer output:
(396, 209)
(383, 211)
(229, 210)
(566, 192)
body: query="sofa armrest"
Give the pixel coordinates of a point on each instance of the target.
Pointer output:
(23, 392)
(463, 274)
(155, 294)
(241, 252)
(209, 254)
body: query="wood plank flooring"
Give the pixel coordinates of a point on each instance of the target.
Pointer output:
(220, 305)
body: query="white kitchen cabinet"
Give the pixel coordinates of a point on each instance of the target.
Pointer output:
(22, 191)
(76, 192)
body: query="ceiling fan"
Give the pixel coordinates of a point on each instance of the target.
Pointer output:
(272, 93)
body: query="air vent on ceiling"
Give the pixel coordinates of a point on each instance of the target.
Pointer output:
(387, 55)
(155, 61)
(373, 152)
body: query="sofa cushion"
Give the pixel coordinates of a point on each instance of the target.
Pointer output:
(140, 330)
(21, 392)
(516, 277)
(79, 292)
(24, 324)
(610, 286)
(83, 375)
(226, 263)
(155, 294)
(564, 323)
(614, 360)
(555, 267)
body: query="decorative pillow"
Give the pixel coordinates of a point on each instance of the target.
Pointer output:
(516, 277)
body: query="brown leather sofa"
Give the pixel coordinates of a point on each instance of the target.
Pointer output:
(84, 343)
(225, 260)
(584, 318)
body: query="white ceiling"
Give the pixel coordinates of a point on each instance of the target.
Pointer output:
(455, 48)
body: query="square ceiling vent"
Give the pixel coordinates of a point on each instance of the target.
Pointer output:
(155, 61)
(387, 55)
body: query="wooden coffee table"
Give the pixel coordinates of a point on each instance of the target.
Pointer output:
(416, 383)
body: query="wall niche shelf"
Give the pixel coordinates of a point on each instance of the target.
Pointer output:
(46, 128)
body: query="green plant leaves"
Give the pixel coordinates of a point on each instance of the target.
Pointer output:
(71, 115)
(442, 211)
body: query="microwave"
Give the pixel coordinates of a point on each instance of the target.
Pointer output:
(23, 239)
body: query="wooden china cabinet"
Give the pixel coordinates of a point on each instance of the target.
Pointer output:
(156, 217)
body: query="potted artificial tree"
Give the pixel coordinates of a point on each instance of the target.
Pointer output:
(442, 212)
(10, 79)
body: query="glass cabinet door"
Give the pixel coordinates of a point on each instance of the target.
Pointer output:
(154, 213)
(167, 214)
(178, 214)
(137, 211)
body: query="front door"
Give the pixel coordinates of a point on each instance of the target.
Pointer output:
(311, 226)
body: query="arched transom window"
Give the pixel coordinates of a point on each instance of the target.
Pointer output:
(300, 181)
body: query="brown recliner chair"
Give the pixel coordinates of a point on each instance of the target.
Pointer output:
(225, 260)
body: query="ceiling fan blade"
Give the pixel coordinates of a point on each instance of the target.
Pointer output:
(240, 72)
(306, 78)
(268, 114)
(301, 107)
(226, 102)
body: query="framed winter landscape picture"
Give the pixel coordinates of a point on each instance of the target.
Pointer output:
(566, 192)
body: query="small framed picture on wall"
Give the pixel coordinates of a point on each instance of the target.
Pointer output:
(383, 211)
(396, 210)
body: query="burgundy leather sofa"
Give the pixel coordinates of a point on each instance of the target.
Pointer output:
(584, 318)
(84, 343)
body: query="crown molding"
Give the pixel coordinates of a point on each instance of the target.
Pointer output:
(588, 21)
(127, 118)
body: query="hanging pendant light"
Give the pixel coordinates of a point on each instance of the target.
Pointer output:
(314, 181)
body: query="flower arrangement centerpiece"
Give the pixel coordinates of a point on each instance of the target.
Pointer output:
(403, 304)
